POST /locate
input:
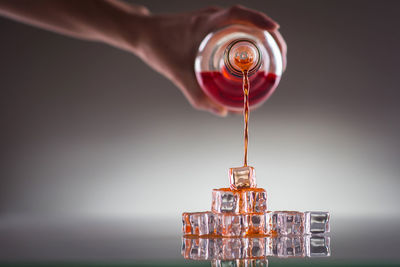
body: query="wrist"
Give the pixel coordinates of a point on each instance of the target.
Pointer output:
(125, 25)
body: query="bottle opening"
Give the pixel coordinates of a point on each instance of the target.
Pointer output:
(242, 55)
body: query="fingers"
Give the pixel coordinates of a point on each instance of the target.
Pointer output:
(134, 9)
(199, 100)
(282, 45)
(242, 15)
(196, 97)
(210, 9)
(202, 102)
(207, 104)
(143, 10)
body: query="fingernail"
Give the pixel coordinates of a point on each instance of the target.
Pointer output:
(275, 25)
(220, 111)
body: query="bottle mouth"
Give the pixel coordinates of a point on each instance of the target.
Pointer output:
(242, 55)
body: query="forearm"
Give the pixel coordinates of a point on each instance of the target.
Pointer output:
(96, 20)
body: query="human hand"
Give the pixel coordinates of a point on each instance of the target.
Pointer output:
(169, 44)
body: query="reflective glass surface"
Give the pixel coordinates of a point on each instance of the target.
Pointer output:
(158, 242)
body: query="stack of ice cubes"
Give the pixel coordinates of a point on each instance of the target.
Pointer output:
(241, 211)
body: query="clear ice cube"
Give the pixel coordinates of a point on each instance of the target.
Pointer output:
(317, 222)
(224, 201)
(207, 224)
(232, 225)
(249, 200)
(255, 224)
(288, 222)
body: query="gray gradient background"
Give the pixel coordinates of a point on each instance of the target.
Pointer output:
(88, 130)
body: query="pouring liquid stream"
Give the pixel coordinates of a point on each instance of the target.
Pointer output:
(246, 88)
(244, 59)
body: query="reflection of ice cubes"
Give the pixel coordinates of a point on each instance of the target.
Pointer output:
(255, 248)
(284, 247)
(232, 248)
(316, 222)
(203, 248)
(318, 246)
(194, 250)
(288, 222)
(240, 263)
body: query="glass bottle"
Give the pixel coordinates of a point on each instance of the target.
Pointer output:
(221, 79)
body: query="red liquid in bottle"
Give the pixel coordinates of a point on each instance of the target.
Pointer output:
(227, 90)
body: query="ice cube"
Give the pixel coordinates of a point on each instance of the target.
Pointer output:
(224, 200)
(255, 224)
(249, 200)
(242, 177)
(317, 222)
(288, 222)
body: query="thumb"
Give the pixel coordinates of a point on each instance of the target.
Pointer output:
(242, 15)
(213, 107)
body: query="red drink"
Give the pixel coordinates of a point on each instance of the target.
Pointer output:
(227, 90)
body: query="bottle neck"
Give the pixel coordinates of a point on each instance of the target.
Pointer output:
(242, 56)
